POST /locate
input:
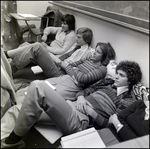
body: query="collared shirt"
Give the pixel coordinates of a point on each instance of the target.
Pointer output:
(122, 89)
(84, 52)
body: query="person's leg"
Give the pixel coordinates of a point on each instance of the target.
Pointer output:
(65, 86)
(35, 52)
(40, 97)
(8, 120)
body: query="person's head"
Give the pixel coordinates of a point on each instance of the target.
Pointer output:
(104, 53)
(84, 36)
(128, 73)
(68, 22)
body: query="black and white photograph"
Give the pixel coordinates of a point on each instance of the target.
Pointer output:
(74, 74)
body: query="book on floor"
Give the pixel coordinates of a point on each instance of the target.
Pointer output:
(88, 138)
(36, 69)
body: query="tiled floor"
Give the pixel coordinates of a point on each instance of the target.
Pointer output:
(33, 139)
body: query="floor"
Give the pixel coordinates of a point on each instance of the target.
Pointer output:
(33, 139)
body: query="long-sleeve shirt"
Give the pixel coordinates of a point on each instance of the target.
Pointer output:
(84, 52)
(105, 101)
(62, 42)
(134, 124)
(86, 72)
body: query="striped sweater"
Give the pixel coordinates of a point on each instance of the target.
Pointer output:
(86, 72)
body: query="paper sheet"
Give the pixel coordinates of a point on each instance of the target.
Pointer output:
(27, 15)
(88, 138)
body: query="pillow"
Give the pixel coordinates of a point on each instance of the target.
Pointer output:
(111, 69)
(140, 91)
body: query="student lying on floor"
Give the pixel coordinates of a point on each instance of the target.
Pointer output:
(73, 116)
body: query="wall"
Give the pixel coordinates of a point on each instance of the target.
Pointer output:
(32, 7)
(129, 8)
(128, 44)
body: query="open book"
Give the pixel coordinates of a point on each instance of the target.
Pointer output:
(88, 138)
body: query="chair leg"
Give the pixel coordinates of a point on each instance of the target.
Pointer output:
(29, 34)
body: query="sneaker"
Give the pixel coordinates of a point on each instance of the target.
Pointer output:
(19, 144)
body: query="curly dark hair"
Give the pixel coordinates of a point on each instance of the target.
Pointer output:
(132, 70)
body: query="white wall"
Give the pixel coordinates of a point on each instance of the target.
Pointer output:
(32, 7)
(128, 44)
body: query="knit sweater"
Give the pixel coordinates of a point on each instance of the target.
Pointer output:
(133, 121)
(105, 101)
(62, 42)
(86, 72)
(84, 52)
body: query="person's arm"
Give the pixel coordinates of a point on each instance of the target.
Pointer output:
(93, 87)
(65, 46)
(91, 76)
(55, 58)
(99, 120)
(70, 67)
(81, 104)
(49, 30)
(86, 107)
(125, 102)
(85, 92)
(123, 129)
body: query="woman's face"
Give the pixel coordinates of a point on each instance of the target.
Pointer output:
(121, 79)
(64, 26)
(97, 55)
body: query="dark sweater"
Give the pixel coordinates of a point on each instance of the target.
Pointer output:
(133, 120)
(100, 93)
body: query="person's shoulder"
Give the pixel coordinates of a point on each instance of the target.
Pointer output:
(72, 34)
(59, 29)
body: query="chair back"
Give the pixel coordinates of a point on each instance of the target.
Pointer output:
(52, 17)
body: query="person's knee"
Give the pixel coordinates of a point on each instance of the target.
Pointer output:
(35, 84)
(38, 46)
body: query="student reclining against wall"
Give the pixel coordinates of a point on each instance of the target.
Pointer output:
(22, 56)
(78, 117)
(68, 91)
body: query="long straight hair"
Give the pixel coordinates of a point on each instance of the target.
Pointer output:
(108, 52)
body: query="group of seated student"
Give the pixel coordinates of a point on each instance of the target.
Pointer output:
(85, 95)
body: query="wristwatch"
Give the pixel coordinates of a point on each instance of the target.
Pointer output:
(118, 127)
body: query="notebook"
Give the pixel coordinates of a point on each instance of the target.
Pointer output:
(88, 138)
(50, 132)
